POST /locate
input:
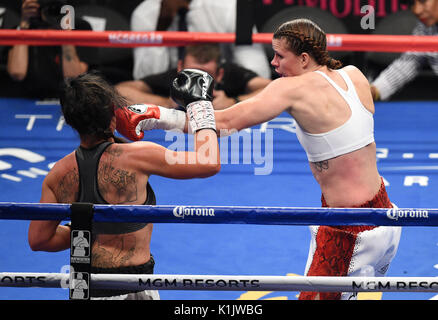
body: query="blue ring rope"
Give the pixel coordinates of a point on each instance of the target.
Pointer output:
(228, 215)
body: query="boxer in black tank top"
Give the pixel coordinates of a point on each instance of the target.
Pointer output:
(105, 170)
(88, 162)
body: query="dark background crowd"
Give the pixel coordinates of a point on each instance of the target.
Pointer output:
(34, 72)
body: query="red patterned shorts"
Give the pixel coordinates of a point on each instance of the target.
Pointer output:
(346, 250)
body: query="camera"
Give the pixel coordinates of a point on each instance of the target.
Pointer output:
(50, 14)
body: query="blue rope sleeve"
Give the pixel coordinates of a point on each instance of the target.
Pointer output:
(228, 215)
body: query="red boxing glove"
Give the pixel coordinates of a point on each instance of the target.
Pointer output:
(128, 119)
(133, 120)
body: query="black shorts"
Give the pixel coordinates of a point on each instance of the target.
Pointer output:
(146, 268)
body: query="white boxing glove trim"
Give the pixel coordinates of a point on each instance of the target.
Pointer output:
(170, 119)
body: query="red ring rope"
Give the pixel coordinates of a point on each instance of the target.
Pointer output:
(335, 42)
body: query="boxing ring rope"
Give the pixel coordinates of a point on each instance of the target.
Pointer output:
(227, 214)
(335, 42)
(225, 283)
(221, 214)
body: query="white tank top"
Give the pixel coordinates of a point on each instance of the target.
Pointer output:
(355, 133)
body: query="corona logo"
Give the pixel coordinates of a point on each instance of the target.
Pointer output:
(181, 212)
(395, 214)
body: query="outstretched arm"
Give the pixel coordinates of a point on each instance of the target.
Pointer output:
(266, 105)
(275, 98)
(203, 162)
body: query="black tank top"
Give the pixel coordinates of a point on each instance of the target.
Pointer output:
(88, 161)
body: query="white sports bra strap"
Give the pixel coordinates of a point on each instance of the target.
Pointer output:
(351, 90)
(332, 82)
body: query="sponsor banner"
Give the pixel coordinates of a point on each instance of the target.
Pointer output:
(80, 282)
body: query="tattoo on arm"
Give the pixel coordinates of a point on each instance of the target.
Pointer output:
(66, 191)
(67, 53)
(321, 165)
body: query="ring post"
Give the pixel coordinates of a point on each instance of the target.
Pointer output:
(80, 250)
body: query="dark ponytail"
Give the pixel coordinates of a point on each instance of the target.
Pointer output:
(88, 103)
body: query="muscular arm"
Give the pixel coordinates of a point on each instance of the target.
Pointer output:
(266, 105)
(203, 162)
(48, 235)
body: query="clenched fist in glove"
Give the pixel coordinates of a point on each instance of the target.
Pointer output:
(133, 120)
(192, 85)
(193, 89)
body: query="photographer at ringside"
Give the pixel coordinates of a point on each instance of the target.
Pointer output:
(37, 71)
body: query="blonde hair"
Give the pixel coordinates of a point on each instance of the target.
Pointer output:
(303, 35)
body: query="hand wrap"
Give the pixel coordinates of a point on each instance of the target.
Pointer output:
(201, 116)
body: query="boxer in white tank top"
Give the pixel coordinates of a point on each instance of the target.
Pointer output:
(347, 250)
(334, 109)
